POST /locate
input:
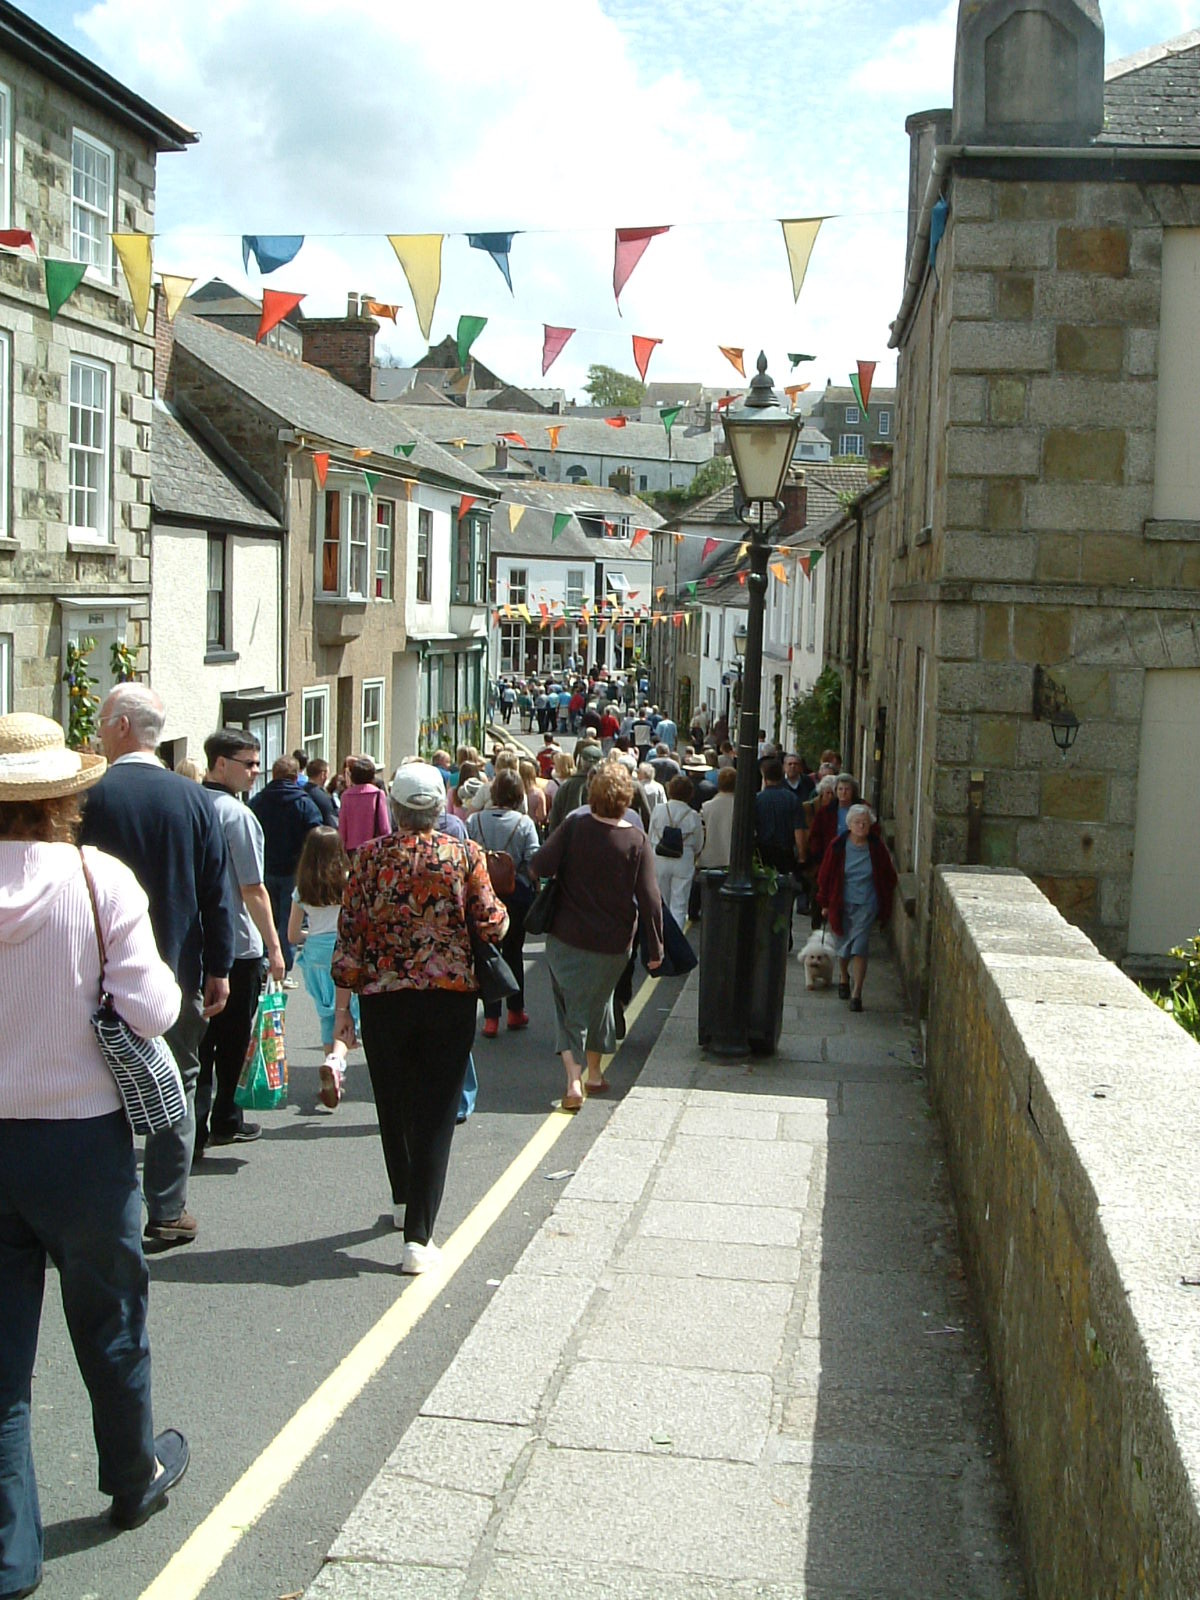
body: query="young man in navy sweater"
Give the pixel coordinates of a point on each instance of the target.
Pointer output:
(165, 829)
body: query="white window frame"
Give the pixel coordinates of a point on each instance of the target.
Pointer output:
(5, 430)
(385, 551)
(315, 743)
(423, 578)
(358, 543)
(851, 417)
(101, 531)
(512, 647)
(6, 673)
(371, 742)
(101, 270)
(885, 424)
(575, 590)
(812, 609)
(518, 593)
(6, 149)
(851, 444)
(220, 645)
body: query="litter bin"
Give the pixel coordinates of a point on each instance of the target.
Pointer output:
(743, 966)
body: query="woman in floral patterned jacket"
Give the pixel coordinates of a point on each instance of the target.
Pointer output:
(412, 901)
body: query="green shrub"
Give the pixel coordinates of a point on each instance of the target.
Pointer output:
(816, 718)
(1182, 998)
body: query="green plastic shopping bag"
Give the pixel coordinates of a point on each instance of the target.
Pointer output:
(263, 1084)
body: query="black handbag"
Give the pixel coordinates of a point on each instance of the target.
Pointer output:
(678, 955)
(540, 913)
(492, 973)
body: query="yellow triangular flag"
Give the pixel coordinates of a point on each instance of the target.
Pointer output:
(515, 513)
(135, 251)
(420, 254)
(524, 610)
(175, 288)
(799, 235)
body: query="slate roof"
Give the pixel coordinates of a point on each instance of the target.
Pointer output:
(307, 398)
(187, 480)
(840, 395)
(637, 441)
(1151, 98)
(543, 501)
(716, 507)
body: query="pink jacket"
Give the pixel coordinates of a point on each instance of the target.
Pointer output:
(363, 815)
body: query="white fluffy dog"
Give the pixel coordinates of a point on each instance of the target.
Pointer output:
(817, 959)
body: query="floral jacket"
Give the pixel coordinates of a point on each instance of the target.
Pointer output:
(405, 911)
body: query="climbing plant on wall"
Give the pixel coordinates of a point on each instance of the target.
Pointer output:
(83, 702)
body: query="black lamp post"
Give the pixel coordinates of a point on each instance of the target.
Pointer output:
(761, 433)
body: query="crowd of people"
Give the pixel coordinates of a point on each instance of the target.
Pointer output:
(381, 895)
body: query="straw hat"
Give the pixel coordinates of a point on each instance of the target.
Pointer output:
(35, 763)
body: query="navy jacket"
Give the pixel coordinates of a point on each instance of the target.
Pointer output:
(323, 801)
(286, 812)
(165, 830)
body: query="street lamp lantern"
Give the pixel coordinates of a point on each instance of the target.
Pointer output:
(762, 434)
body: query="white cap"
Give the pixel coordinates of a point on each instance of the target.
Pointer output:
(419, 786)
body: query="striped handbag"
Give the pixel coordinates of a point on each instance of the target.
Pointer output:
(146, 1075)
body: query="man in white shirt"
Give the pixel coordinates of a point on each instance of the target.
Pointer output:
(655, 794)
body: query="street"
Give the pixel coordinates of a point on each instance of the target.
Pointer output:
(296, 1260)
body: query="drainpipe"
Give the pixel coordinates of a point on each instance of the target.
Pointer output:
(848, 757)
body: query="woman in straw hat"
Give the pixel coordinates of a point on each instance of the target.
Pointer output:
(68, 1181)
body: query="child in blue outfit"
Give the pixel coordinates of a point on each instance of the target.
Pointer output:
(321, 874)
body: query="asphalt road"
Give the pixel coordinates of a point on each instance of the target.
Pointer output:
(296, 1259)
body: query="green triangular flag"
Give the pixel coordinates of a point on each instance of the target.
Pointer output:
(814, 559)
(62, 280)
(371, 479)
(404, 450)
(796, 360)
(857, 387)
(469, 329)
(690, 587)
(668, 416)
(561, 518)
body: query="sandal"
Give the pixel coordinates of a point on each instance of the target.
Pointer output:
(569, 1106)
(603, 1087)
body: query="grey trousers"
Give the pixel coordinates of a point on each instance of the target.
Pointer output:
(168, 1155)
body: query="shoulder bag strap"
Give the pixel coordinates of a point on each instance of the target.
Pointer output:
(91, 889)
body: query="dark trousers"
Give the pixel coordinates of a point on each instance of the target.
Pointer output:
(417, 1042)
(279, 886)
(69, 1192)
(168, 1156)
(512, 948)
(223, 1052)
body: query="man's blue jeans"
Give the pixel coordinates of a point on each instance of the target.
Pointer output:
(69, 1192)
(279, 888)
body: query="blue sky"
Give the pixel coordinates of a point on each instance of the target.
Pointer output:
(565, 118)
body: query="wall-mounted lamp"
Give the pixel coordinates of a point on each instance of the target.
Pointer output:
(1052, 704)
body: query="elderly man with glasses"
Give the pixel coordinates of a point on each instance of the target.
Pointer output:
(233, 763)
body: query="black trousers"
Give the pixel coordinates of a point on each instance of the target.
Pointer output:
(417, 1042)
(512, 948)
(223, 1052)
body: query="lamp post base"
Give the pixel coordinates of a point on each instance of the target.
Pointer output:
(743, 965)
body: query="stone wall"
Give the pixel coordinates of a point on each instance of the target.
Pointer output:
(1060, 1088)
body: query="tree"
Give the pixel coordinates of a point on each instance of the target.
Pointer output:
(608, 387)
(816, 718)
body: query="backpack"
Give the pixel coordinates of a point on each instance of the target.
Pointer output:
(502, 869)
(671, 843)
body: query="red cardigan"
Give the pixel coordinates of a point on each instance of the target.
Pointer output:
(831, 882)
(823, 832)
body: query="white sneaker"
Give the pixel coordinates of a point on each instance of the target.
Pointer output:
(418, 1258)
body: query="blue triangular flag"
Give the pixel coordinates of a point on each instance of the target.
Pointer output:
(270, 250)
(497, 246)
(937, 227)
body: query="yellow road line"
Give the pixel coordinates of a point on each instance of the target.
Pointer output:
(203, 1552)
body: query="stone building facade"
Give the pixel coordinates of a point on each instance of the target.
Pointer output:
(1043, 520)
(77, 163)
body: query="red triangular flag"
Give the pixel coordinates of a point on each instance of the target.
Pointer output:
(742, 579)
(513, 438)
(552, 344)
(631, 247)
(643, 349)
(866, 376)
(321, 466)
(465, 504)
(275, 306)
(15, 238)
(710, 545)
(805, 566)
(638, 535)
(616, 422)
(725, 400)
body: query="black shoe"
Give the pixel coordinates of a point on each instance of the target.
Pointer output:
(131, 1510)
(856, 1003)
(843, 991)
(246, 1134)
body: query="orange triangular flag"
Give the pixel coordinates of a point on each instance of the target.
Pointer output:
(321, 466)
(380, 308)
(554, 433)
(409, 486)
(465, 504)
(643, 349)
(638, 535)
(616, 422)
(734, 354)
(276, 305)
(363, 452)
(679, 537)
(660, 591)
(513, 438)
(778, 570)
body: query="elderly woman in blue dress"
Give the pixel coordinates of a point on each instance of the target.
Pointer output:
(856, 887)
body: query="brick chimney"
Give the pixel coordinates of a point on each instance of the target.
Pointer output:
(164, 342)
(879, 457)
(344, 346)
(795, 502)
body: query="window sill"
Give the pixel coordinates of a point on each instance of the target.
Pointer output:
(220, 657)
(925, 535)
(9, 544)
(91, 547)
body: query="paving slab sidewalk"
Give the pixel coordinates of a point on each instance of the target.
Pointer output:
(737, 1360)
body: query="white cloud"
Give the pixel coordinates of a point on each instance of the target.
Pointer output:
(916, 64)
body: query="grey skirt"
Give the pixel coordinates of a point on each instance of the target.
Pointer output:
(583, 982)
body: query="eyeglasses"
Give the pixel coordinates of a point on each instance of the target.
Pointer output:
(251, 765)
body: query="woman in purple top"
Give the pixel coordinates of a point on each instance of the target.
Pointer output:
(605, 871)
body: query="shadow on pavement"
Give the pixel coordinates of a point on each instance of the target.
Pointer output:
(74, 1534)
(288, 1265)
